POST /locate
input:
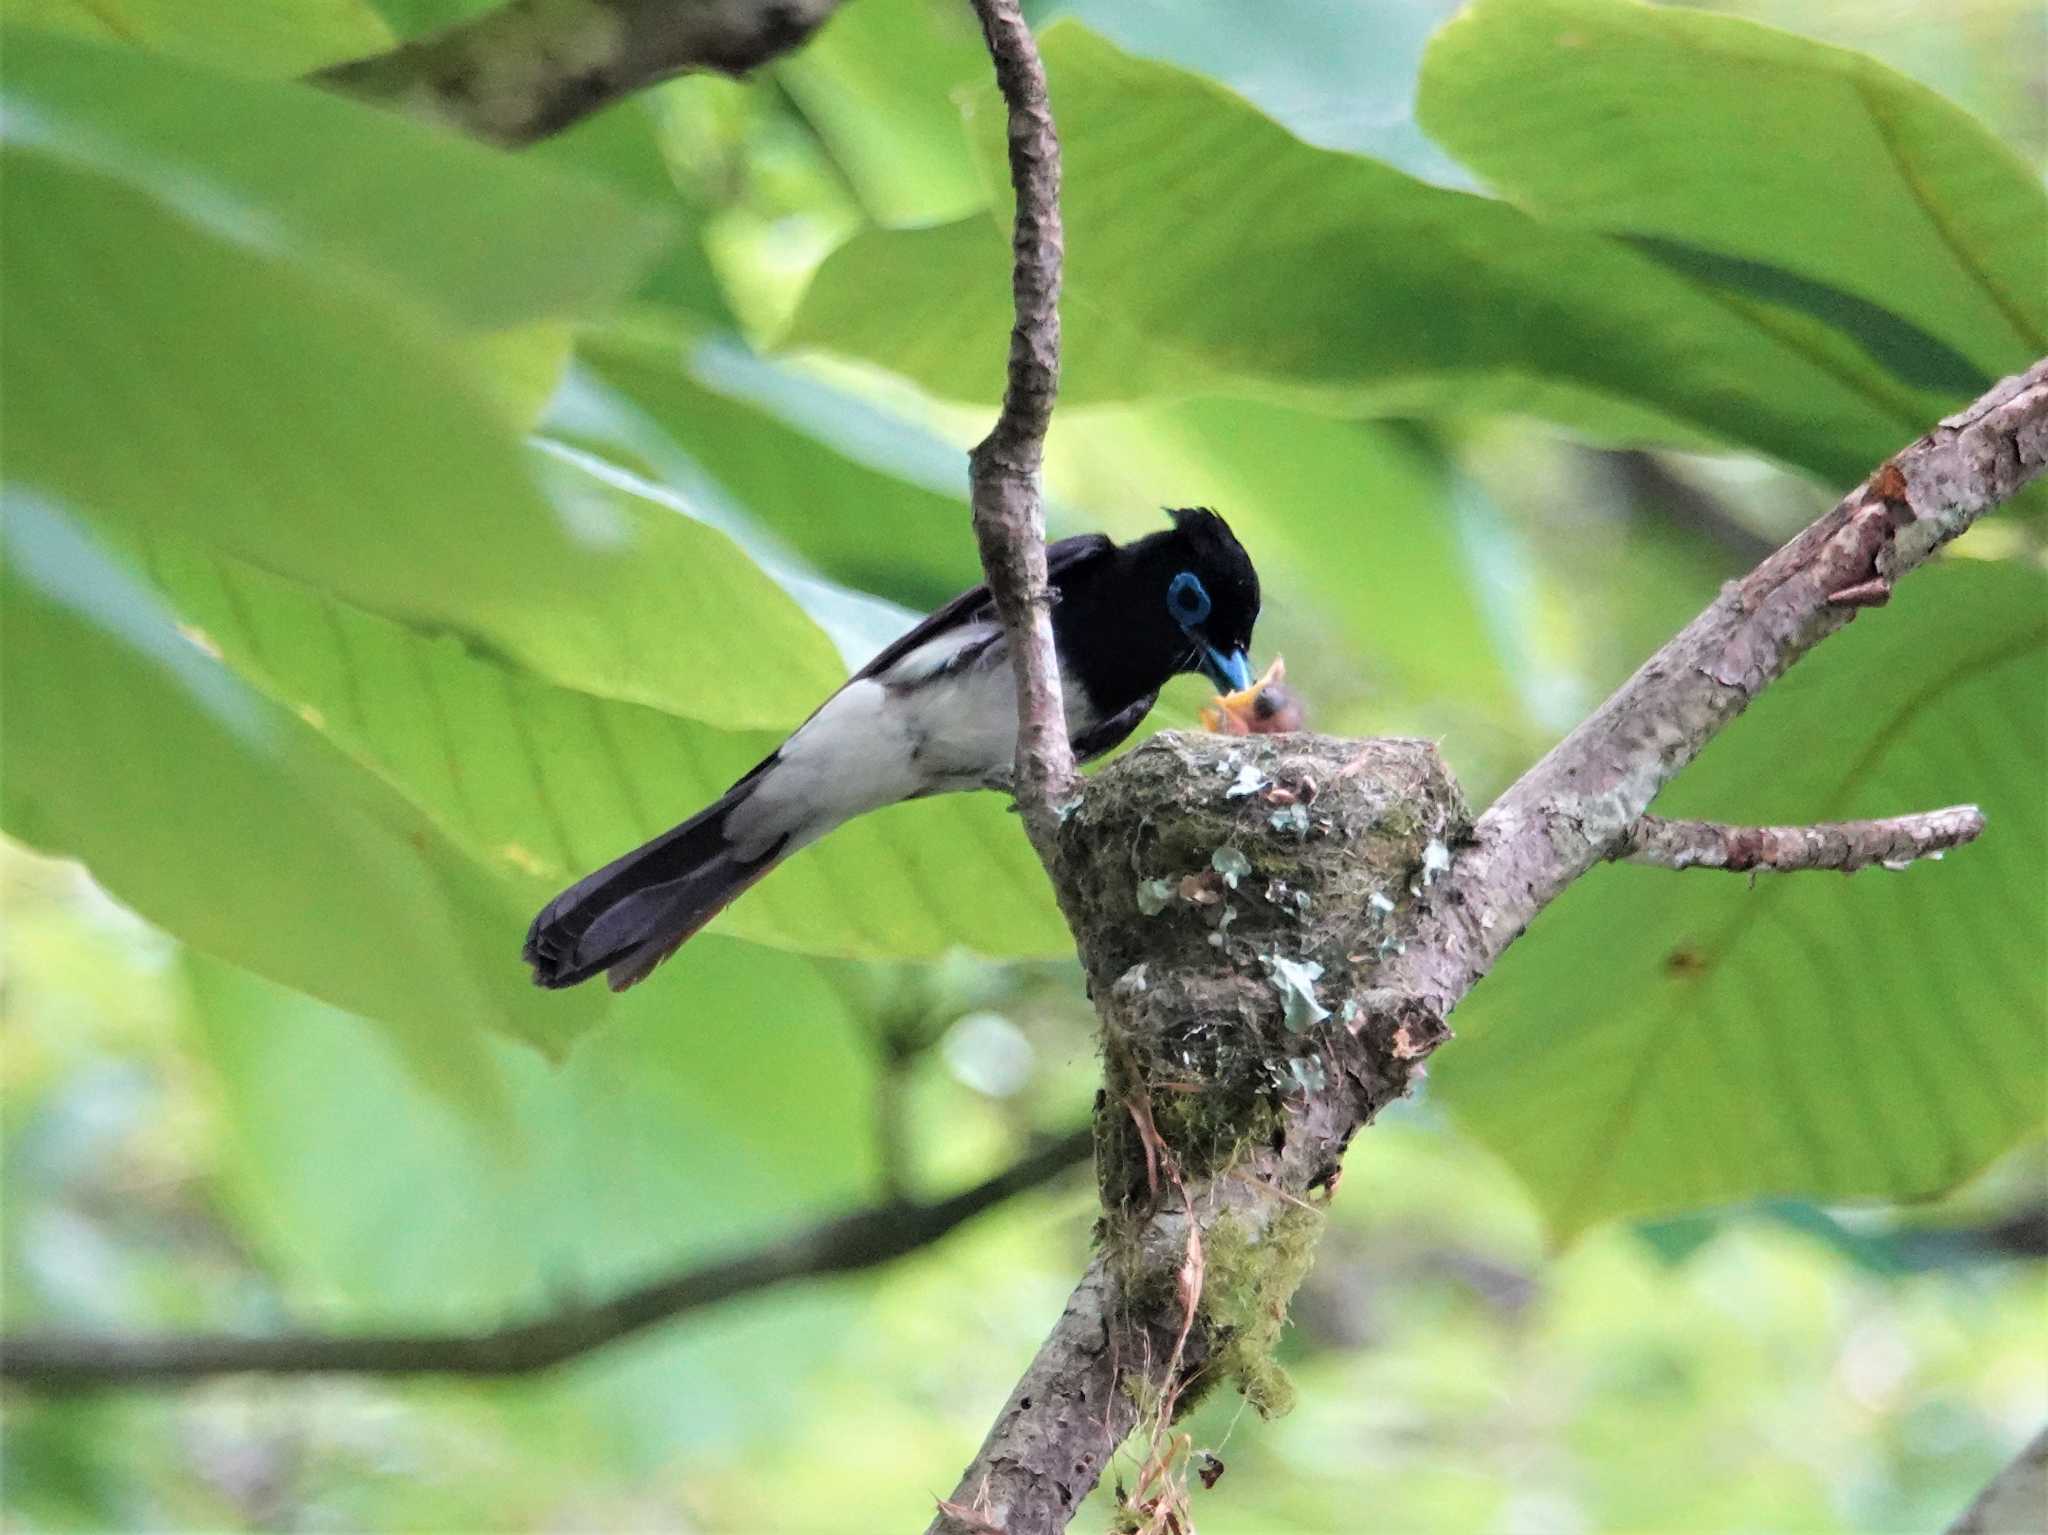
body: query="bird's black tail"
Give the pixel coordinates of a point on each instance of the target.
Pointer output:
(633, 913)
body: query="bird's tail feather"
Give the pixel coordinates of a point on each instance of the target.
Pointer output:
(634, 912)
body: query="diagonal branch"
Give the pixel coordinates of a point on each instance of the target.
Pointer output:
(1576, 806)
(1009, 517)
(533, 67)
(864, 1239)
(1847, 846)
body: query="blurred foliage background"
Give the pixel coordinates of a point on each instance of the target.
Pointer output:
(396, 529)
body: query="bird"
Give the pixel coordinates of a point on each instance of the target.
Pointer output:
(934, 712)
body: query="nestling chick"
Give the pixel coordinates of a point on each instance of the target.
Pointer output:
(1267, 708)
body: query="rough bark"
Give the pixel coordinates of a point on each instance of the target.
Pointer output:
(1009, 517)
(1845, 846)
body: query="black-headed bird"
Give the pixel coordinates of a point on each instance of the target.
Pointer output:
(935, 711)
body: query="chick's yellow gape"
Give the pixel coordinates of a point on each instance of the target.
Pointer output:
(1267, 707)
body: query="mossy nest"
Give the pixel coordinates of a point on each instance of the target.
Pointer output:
(1233, 895)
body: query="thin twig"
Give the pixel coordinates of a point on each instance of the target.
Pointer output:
(527, 70)
(849, 1243)
(1009, 518)
(1847, 846)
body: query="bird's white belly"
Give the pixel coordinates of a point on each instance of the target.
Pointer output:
(877, 742)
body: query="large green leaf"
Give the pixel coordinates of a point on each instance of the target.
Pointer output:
(877, 84)
(277, 37)
(1342, 77)
(540, 784)
(322, 430)
(649, 1145)
(1326, 279)
(416, 18)
(1716, 135)
(221, 816)
(663, 1142)
(623, 148)
(1665, 1041)
(864, 496)
(486, 238)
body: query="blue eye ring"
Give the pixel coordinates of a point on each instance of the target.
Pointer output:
(1187, 599)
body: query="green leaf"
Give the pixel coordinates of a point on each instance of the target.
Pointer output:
(1339, 77)
(221, 816)
(1323, 279)
(1662, 1042)
(622, 148)
(541, 784)
(656, 1147)
(1769, 151)
(522, 368)
(416, 18)
(323, 431)
(877, 84)
(1916, 358)
(486, 238)
(870, 500)
(279, 38)
(647, 1146)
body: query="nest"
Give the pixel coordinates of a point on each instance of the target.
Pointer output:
(1233, 896)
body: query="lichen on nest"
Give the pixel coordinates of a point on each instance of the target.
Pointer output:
(1194, 825)
(1233, 896)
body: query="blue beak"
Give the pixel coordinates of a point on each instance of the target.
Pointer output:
(1231, 673)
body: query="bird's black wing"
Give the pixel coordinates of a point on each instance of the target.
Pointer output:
(1062, 557)
(630, 915)
(1112, 732)
(975, 606)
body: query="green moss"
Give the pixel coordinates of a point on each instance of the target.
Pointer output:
(1247, 1286)
(1182, 947)
(1210, 1130)
(1210, 1069)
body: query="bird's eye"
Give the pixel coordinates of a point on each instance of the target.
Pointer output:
(1187, 599)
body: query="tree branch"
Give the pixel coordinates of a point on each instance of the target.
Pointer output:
(2016, 1498)
(1576, 806)
(1848, 846)
(1009, 519)
(844, 1245)
(1251, 1112)
(533, 67)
